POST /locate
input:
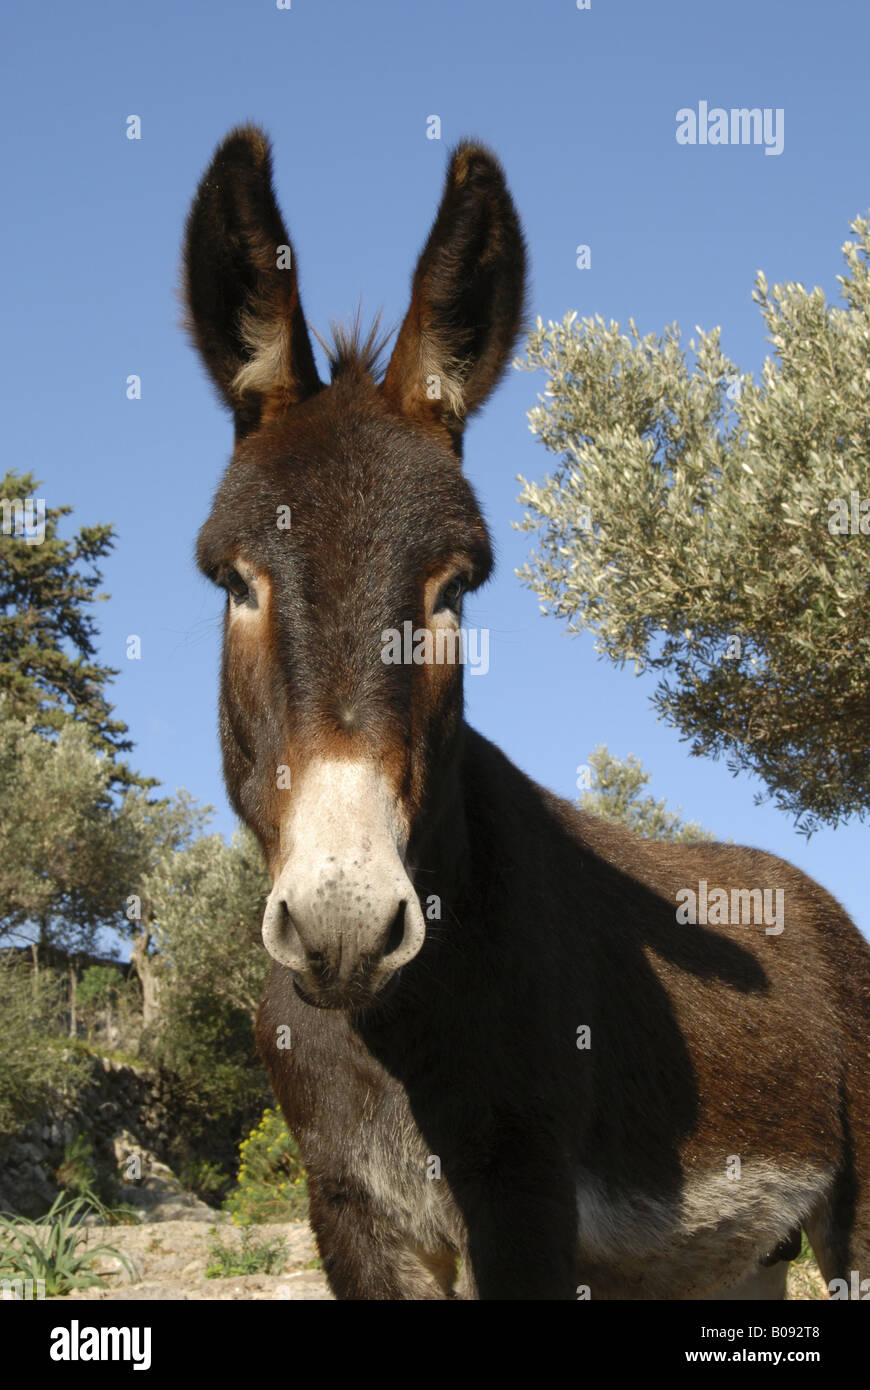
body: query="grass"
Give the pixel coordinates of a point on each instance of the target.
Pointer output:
(244, 1257)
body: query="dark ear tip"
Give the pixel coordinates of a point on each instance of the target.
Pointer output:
(245, 147)
(474, 163)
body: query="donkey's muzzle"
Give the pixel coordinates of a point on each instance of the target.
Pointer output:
(343, 914)
(340, 961)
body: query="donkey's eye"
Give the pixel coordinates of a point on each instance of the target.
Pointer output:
(451, 595)
(236, 587)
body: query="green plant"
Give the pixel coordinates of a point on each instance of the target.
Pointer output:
(81, 1047)
(121, 1215)
(49, 1249)
(230, 1261)
(38, 1061)
(98, 992)
(806, 1256)
(207, 1046)
(98, 984)
(271, 1184)
(78, 1171)
(203, 1177)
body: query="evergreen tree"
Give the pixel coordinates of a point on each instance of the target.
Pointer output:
(48, 668)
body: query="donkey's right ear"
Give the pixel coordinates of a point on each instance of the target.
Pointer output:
(240, 285)
(467, 300)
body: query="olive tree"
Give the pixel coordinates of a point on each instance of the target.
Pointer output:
(715, 529)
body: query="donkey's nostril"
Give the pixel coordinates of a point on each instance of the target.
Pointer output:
(396, 934)
(281, 934)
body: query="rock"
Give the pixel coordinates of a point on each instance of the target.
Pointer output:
(31, 1153)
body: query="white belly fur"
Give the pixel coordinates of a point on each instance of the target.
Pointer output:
(701, 1245)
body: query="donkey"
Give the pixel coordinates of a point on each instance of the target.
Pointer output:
(513, 1069)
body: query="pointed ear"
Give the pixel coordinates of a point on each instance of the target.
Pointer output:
(240, 285)
(467, 300)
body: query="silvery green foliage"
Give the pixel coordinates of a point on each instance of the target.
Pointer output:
(73, 847)
(32, 1011)
(615, 794)
(62, 842)
(691, 507)
(207, 900)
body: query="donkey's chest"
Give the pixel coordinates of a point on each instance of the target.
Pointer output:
(403, 1177)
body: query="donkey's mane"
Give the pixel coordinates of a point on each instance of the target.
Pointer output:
(348, 351)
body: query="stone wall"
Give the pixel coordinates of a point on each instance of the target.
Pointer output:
(124, 1110)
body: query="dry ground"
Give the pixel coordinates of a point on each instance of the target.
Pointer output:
(170, 1259)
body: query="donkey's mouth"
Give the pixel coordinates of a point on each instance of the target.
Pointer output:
(355, 996)
(321, 1001)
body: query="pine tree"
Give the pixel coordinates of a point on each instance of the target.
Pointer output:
(48, 668)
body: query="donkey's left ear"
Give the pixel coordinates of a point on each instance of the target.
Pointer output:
(241, 287)
(467, 300)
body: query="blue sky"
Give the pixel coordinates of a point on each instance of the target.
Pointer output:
(580, 106)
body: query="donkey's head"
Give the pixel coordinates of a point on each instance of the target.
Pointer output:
(343, 533)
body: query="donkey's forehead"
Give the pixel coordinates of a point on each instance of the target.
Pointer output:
(329, 471)
(346, 433)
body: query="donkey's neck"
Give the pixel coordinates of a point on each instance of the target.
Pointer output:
(442, 848)
(485, 813)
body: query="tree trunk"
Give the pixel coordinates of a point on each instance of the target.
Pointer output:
(73, 1016)
(149, 969)
(34, 976)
